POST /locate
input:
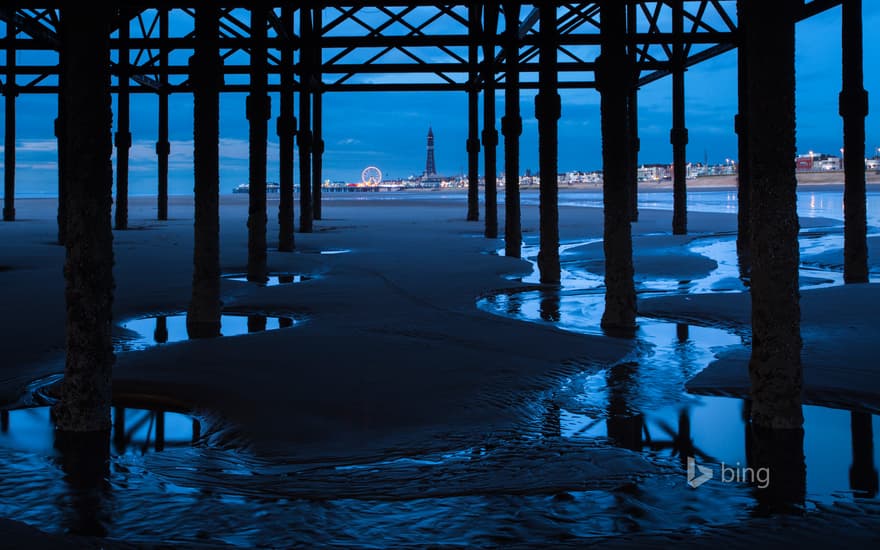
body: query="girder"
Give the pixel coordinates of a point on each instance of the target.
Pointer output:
(368, 45)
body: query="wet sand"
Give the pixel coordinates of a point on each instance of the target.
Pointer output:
(393, 356)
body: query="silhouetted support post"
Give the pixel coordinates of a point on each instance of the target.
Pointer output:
(84, 405)
(304, 136)
(775, 366)
(286, 128)
(258, 114)
(632, 108)
(490, 134)
(854, 109)
(511, 127)
(203, 316)
(9, 91)
(741, 123)
(862, 472)
(635, 145)
(473, 91)
(548, 109)
(123, 131)
(614, 79)
(4, 421)
(163, 145)
(317, 115)
(678, 136)
(59, 135)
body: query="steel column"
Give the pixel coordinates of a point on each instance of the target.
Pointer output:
(258, 113)
(317, 114)
(163, 145)
(123, 128)
(9, 91)
(775, 365)
(304, 136)
(286, 127)
(490, 134)
(741, 124)
(548, 110)
(854, 109)
(473, 91)
(206, 66)
(615, 79)
(511, 127)
(678, 136)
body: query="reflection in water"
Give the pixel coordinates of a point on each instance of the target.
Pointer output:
(164, 329)
(641, 403)
(134, 431)
(777, 455)
(862, 473)
(273, 279)
(4, 421)
(85, 460)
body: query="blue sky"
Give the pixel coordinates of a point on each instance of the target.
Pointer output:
(388, 129)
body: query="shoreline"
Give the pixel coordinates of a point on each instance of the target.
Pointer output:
(812, 180)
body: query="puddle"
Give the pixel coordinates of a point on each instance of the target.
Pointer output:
(329, 252)
(135, 431)
(274, 279)
(641, 403)
(146, 332)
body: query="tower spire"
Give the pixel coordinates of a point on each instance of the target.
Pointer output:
(430, 167)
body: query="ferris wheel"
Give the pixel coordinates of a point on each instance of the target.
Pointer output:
(371, 176)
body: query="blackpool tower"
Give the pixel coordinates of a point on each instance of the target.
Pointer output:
(430, 167)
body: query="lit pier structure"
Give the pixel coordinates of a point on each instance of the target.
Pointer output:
(297, 52)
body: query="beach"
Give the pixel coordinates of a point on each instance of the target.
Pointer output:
(390, 363)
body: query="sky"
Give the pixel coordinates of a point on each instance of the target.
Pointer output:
(388, 129)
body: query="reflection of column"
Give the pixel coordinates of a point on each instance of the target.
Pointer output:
(119, 438)
(85, 460)
(778, 457)
(4, 421)
(549, 306)
(551, 420)
(160, 430)
(197, 431)
(683, 442)
(624, 425)
(682, 332)
(862, 473)
(256, 323)
(160, 335)
(285, 322)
